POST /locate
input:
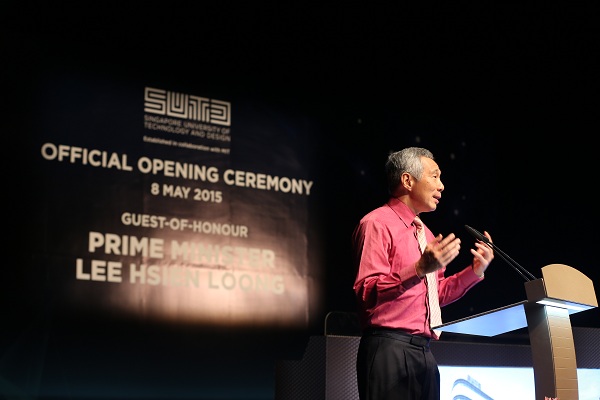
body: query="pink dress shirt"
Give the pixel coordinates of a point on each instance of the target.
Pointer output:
(388, 290)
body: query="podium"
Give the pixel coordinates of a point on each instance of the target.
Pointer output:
(560, 292)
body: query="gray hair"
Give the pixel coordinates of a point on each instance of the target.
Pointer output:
(405, 160)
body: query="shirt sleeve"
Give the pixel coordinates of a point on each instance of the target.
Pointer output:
(376, 277)
(456, 286)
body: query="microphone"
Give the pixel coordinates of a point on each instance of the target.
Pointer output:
(515, 265)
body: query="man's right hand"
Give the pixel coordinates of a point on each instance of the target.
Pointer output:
(437, 254)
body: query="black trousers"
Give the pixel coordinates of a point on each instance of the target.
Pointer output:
(393, 365)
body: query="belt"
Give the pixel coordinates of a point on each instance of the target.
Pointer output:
(399, 335)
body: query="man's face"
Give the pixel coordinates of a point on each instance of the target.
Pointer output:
(427, 191)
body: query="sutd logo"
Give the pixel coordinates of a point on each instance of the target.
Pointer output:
(187, 106)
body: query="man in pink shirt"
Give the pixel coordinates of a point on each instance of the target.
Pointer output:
(394, 361)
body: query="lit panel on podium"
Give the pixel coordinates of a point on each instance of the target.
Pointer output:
(490, 323)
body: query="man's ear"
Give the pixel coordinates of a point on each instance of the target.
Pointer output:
(407, 181)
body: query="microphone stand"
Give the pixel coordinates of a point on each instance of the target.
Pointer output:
(525, 274)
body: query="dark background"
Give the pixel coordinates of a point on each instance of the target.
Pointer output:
(504, 94)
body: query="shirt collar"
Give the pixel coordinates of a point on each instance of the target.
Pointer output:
(402, 210)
